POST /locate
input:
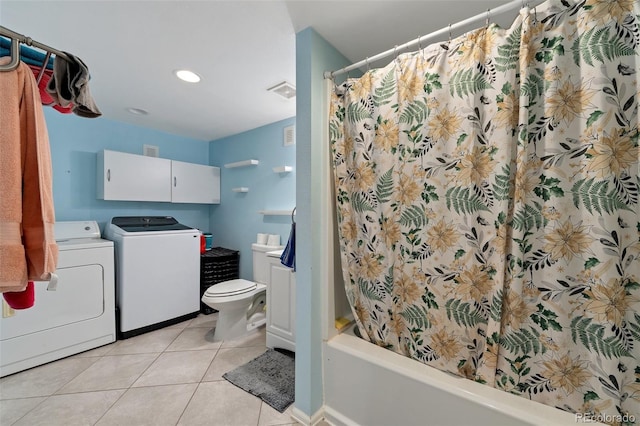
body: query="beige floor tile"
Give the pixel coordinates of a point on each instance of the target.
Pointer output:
(254, 338)
(181, 325)
(194, 339)
(229, 358)
(221, 403)
(152, 342)
(110, 372)
(177, 367)
(72, 409)
(205, 320)
(12, 409)
(152, 406)
(44, 380)
(101, 351)
(269, 416)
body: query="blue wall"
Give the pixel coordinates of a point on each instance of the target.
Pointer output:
(235, 222)
(313, 56)
(74, 143)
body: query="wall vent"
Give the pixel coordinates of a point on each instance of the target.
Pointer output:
(289, 136)
(150, 150)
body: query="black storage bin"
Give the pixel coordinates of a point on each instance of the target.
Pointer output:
(217, 265)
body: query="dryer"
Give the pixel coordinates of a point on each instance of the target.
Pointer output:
(157, 272)
(77, 316)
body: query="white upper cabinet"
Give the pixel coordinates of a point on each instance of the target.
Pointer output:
(194, 183)
(131, 177)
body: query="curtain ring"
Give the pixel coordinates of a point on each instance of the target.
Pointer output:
(420, 46)
(535, 16)
(449, 35)
(487, 21)
(367, 62)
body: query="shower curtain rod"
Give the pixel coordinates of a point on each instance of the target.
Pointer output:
(485, 15)
(16, 39)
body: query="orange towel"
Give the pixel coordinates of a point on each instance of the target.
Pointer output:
(28, 250)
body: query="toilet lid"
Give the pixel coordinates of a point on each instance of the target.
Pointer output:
(230, 288)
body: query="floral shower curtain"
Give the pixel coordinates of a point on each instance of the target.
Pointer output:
(487, 203)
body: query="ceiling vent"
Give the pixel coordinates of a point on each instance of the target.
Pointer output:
(284, 89)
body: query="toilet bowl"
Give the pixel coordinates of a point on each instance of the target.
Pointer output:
(241, 303)
(241, 307)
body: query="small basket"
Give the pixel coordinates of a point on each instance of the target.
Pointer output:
(217, 265)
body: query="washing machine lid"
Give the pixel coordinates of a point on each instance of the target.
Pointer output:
(135, 224)
(230, 288)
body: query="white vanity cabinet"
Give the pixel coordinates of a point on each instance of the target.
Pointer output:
(281, 304)
(194, 183)
(130, 177)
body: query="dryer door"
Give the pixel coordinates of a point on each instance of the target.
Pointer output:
(79, 297)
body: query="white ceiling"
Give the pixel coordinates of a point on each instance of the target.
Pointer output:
(239, 48)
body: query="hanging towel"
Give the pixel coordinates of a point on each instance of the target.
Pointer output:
(44, 95)
(70, 85)
(28, 250)
(27, 54)
(288, 257)
(21, 299)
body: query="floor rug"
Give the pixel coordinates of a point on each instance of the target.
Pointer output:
(270, 377)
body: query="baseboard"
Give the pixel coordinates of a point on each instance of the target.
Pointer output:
(306, 420)
(336, 418)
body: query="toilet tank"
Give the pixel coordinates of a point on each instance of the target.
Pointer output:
(260, 262)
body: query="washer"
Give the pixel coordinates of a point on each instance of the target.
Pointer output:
(77, 316)
(157, 272)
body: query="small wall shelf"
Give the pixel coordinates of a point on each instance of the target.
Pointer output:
(275, 212)
(244, 163)
(240, 189)
(282, 169)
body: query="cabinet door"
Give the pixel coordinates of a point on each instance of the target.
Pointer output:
(194, 183)
(130, 177)
(281, 300)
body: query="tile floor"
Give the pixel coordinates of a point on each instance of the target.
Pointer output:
(171, 376)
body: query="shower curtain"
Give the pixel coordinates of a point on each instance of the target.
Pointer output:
(487, 204)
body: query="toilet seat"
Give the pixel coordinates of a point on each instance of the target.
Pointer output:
(230, 288)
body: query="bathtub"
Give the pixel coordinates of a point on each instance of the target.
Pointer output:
(368, 385)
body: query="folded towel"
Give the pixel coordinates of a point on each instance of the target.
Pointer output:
(70, 84)
(288, 257)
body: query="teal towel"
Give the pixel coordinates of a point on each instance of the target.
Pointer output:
(28, 55)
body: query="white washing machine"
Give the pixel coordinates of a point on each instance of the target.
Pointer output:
(77, 316)
(157, 272)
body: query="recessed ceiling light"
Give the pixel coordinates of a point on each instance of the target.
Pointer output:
(284, 89)
(137, 111)
(188, 76)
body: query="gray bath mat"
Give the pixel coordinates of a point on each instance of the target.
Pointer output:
(270, 377)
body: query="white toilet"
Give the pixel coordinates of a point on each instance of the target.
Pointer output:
(240, 302)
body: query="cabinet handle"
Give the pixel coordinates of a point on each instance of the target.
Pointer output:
(108, 175)
(175, 181)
